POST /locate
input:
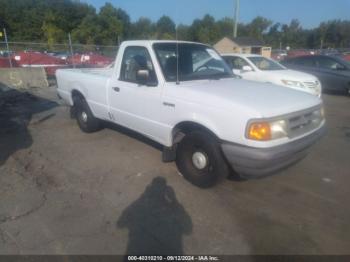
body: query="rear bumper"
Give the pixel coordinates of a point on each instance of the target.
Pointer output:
(251, 162)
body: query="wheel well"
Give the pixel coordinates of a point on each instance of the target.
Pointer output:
(76, 94)
(183, 128)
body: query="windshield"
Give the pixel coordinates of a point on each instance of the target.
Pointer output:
(265, 64)
(195, 62)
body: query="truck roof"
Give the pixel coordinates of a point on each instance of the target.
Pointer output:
(151, 42)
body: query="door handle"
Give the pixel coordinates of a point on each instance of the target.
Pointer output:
(116, 89)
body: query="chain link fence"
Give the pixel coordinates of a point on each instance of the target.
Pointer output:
(55, 56)
(78, 55)
(109, 51)
(20, 54)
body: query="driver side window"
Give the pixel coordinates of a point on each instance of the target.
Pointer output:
(238, 63)
(136, 58)
(328, 63)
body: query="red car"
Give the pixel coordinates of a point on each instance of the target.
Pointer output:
(5, 63)
(37, 59)
(297, 53)
(347, 57)
(278, 55)
(89, 60)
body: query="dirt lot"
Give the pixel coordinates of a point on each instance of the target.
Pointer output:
(66, 192)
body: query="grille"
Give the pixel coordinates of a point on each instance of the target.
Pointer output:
(305, 122)
(313, 84)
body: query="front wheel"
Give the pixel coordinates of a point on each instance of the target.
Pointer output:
(200, 160)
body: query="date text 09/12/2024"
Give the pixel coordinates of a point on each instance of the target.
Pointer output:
(173, 258)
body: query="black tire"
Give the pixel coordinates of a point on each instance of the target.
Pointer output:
(85, 119)
(206, 145)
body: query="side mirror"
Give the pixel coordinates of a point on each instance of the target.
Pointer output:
(247, 69)
(142, 77)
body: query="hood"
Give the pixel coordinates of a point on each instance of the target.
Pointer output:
(261, 100)
(290, 75)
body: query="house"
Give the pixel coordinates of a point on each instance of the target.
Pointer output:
(244, 45)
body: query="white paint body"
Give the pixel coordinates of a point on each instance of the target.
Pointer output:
(310, 83)
(223, 106)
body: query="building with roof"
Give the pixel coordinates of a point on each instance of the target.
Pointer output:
(242, 45)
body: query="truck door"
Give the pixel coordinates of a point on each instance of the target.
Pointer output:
(134, 105)
(334, 73)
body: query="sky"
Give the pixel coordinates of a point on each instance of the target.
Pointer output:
(309, 12)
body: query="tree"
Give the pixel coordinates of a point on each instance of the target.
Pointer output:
(205, 30)
(225, 27)
(293, 34)
(258, 27)
(183, 32)
(274, 36)
(52, 20)
(312, 40)
(142, 29)
(111, 25)
(3, 24)
(88, 32)
(52, 32)
(124, 18)
(335, 33)
(165, 28)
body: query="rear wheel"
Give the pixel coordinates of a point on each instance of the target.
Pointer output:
(200, 160)
(85, 119)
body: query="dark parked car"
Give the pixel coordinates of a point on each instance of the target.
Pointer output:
(333, 72)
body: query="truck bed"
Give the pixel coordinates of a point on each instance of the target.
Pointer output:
(105, 72)
(90, 82)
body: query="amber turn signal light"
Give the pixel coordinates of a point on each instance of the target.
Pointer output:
(259, 131)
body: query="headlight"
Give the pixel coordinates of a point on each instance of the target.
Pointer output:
(322, 113)
(293, 83)
(265, 131)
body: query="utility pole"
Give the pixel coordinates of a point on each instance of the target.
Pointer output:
(236, 18)
(71, 48)
(8, 48)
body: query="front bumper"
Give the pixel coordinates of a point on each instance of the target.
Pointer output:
(251, 162)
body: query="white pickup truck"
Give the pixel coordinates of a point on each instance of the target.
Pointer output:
(185, 97)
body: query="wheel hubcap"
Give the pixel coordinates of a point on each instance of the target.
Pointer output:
(199, 160)
(84, 116)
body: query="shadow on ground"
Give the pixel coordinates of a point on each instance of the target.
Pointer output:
(156, 221)
(16, 110)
